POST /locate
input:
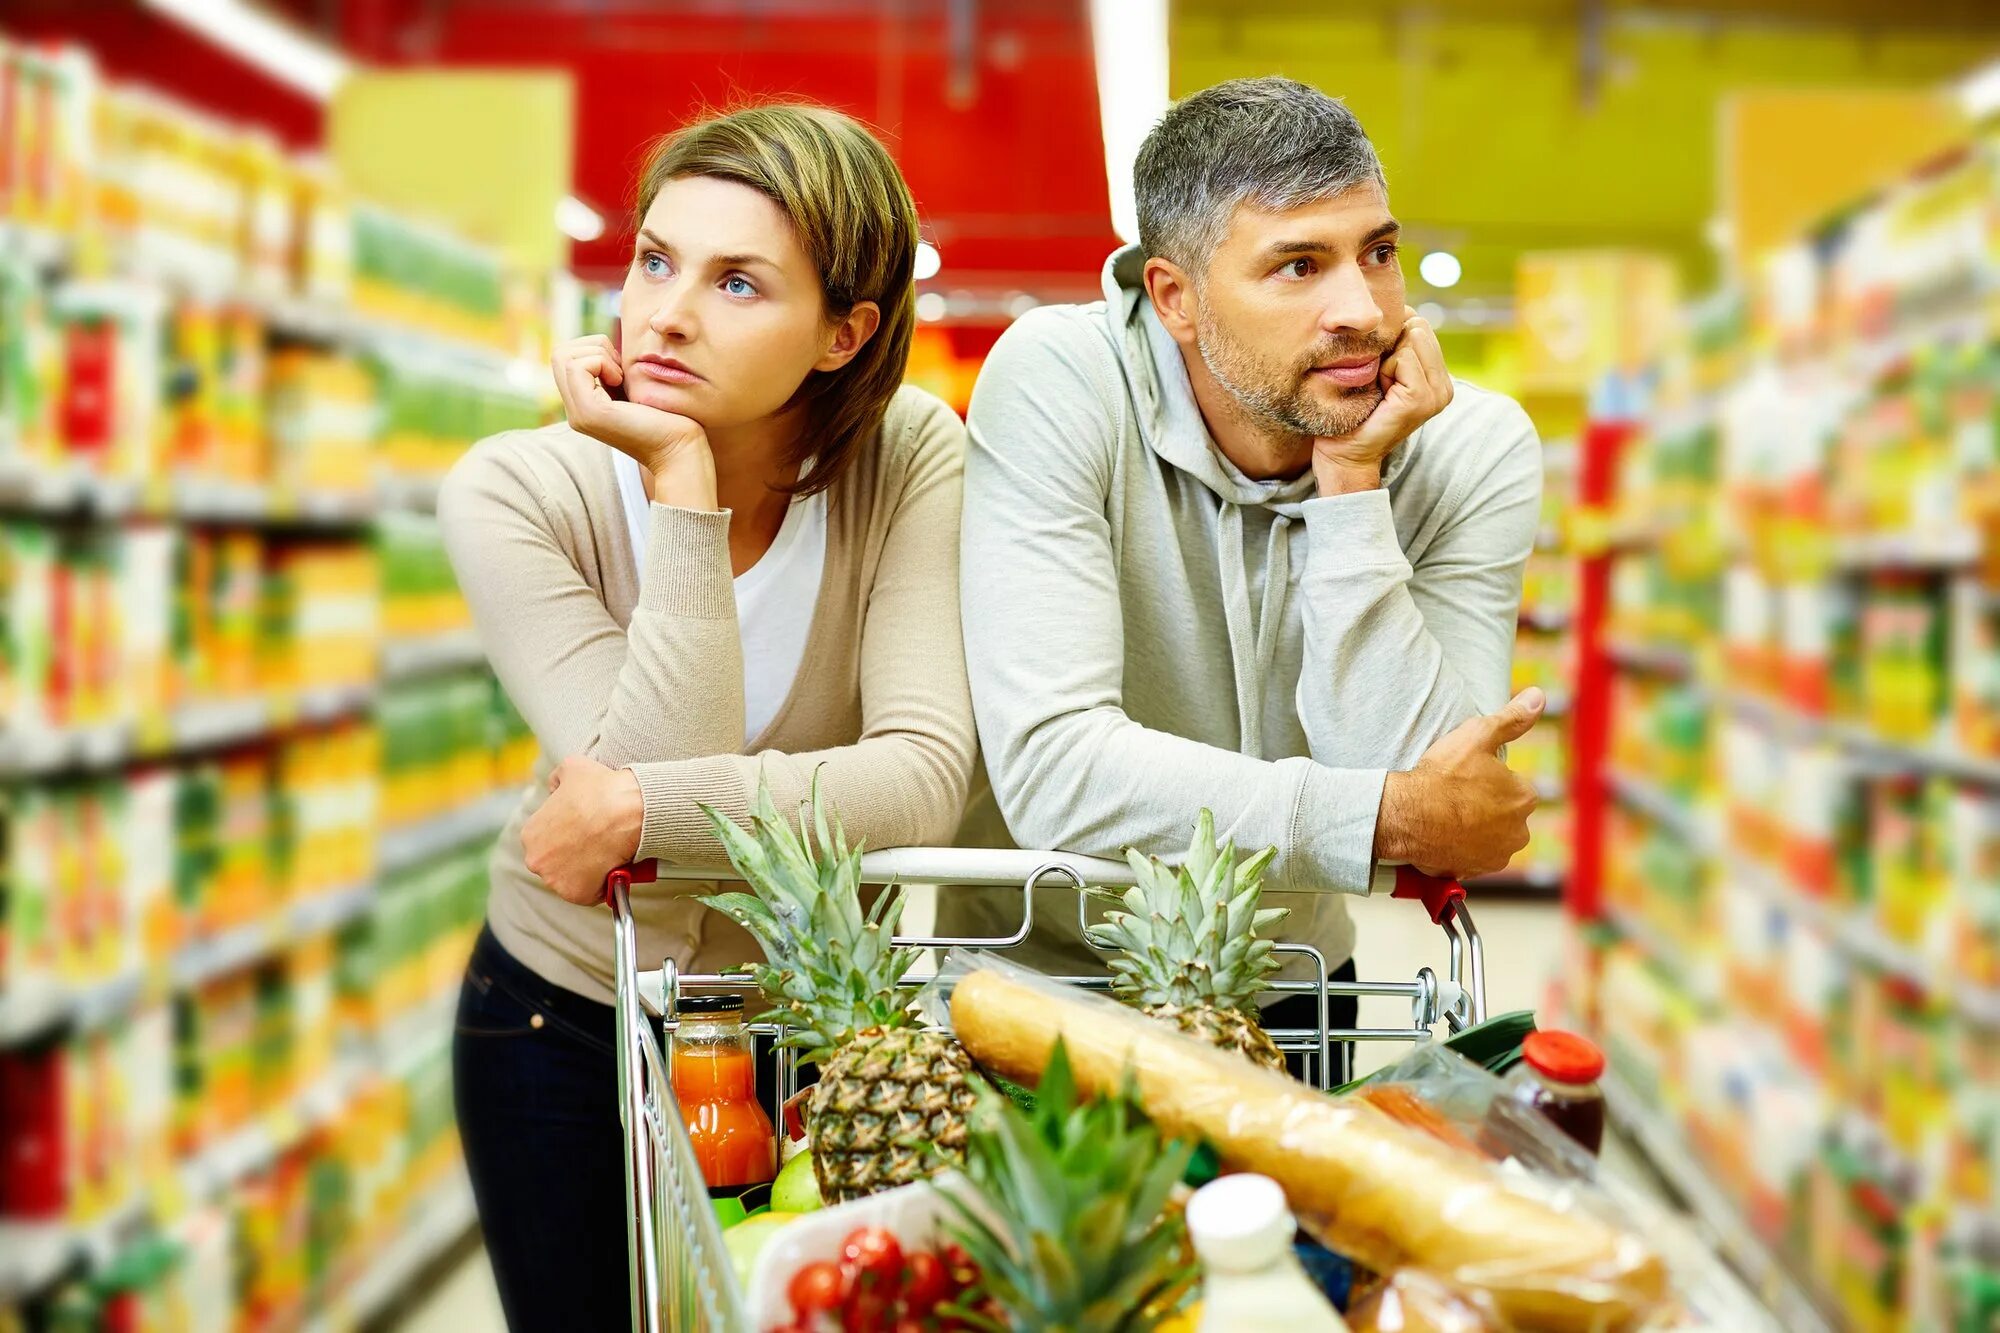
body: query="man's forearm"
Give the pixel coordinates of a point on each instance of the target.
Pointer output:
(1404, 826)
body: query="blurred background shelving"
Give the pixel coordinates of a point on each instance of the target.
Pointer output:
(252, 757)
(1791, 935)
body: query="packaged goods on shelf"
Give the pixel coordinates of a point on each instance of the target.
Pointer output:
(1801, 858)
(419, 592)
(436, 745)
(432, 414)
(416, 276)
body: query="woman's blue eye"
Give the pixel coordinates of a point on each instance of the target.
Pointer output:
(738, 285)
(655, 265)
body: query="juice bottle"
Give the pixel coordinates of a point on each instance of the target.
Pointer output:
(1558, 1076)
(715, 1082)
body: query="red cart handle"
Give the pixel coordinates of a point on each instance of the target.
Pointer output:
(1438, 895)
(624, 877)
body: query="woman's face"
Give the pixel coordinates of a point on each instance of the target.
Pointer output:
(722, 318)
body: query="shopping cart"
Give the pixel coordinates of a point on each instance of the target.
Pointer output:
(682, 1280)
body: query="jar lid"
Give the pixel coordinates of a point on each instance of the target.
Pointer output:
(710, 1004)
(1563, 1056)
(1240, 1223)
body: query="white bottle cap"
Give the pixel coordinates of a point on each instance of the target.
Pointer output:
(1240, 1224)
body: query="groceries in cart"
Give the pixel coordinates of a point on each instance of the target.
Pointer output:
(1015, 1152)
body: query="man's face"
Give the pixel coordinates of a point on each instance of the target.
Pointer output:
(1298, 309)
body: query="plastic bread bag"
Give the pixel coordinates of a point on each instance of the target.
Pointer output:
(1393, 1196)
(1413, 1301)
(1461, 1103)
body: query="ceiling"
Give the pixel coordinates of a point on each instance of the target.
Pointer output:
(1545, 124)
(1504, 124)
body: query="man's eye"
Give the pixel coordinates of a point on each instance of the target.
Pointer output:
(1298, 268)
(1385, 253)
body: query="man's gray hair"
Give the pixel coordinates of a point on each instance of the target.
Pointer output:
(1272, 142)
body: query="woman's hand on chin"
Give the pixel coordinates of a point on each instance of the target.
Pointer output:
(588, 827)
(672, 447)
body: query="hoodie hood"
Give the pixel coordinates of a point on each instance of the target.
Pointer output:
(1172, 426)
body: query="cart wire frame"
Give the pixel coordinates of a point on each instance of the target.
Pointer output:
(681, 1277)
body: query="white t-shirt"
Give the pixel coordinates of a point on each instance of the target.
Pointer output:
(774, 597)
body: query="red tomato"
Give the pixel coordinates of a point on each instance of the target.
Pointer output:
(875, 1257)
(817, 1289)
(925, 1282)
(867, 1312)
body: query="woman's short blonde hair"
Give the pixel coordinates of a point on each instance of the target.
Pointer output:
(853, 215)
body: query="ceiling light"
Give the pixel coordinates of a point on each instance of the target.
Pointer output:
(279, 49)
(1129, 38)
(578, 220)
(929, 261)
(1440, 268)
(931, 307)
(1433, 312)
(1979, 95)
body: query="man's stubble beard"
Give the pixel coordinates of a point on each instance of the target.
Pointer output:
(1280, 399)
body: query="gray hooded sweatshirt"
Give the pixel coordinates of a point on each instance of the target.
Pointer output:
(1148, 631)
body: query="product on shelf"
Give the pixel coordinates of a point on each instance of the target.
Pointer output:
(1799, 867)
(419, 592)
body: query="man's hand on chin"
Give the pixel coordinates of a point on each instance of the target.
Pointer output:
(1415, 388)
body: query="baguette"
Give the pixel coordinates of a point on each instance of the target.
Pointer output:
(1395, 1196)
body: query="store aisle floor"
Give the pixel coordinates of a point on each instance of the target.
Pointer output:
(1522, 949)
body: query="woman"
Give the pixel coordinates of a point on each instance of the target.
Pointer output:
(737, 559)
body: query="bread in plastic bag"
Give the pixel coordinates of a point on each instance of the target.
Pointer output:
(1394, 1196)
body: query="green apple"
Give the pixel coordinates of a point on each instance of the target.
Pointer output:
(796, 1190)
(747, 1239)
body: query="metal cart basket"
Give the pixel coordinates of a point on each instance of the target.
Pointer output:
(681, 1277)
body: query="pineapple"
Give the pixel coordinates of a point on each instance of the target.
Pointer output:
(892, 1097)
(1071, 1229)
(1188, 947)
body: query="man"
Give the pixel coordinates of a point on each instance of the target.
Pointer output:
(1233, 538)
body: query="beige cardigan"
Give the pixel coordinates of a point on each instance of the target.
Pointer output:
(648, 674)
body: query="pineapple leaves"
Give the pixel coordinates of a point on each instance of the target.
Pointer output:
(832, 966)
(1072, 1235)
(1191, 937)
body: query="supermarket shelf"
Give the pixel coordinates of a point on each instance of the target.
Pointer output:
(35, 1254)
(1714, 1214)
(1519, 881)
(419, 494)
(1658, 659)
(204, 961)
(45, 751)
(44, 1010)
(1946, 548)
(481, 818)
(1663, 808)
(456, 650)
(227, 1162)
(1866, 942)
(1548, 619)
(1704, 989)
(75, 492)
(443, 1220)
(1943, 760)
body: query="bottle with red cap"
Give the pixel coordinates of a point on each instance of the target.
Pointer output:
(1558, 1076)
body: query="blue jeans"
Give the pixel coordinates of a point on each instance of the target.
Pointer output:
(536, 1080)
